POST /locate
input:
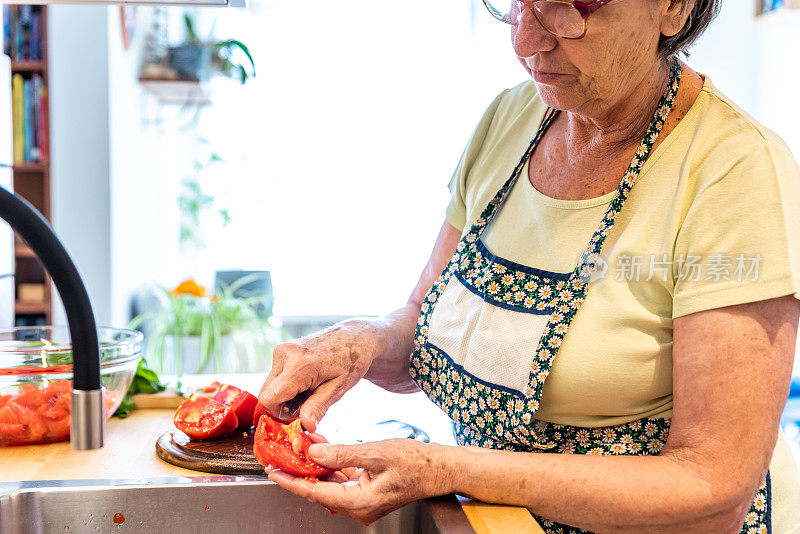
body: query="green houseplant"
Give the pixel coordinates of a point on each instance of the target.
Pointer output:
(193, 332)
(197, 59)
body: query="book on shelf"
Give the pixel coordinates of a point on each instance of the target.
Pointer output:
(29, 98)
(22, 32)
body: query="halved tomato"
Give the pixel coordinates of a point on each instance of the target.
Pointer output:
(242, 402)
(285, 447)
(203, 418)
(258, 412)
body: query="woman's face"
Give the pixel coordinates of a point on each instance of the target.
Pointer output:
(594, 73)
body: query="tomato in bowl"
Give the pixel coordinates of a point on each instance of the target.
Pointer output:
(36, 379)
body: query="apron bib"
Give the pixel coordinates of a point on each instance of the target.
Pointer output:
(483, 316)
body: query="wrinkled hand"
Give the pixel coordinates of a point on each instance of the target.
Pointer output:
(372, 479)
(329, 363)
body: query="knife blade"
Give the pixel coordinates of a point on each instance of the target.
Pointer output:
(289, 409)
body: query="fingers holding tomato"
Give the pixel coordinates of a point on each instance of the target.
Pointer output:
(383, 476)
(285, 446)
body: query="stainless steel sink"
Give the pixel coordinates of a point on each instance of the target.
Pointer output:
(218, 504)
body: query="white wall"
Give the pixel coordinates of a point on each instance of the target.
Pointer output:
(79, 110)
(778, 75)
(148, 153)
(727, 52)
(753, 60)
(117, 160)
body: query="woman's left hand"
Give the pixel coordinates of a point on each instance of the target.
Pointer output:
(372, 479)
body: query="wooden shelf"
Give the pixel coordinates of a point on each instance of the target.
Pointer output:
(181, 92)
(23, 251)
(31, 308)
(28, 66)
(30, 167)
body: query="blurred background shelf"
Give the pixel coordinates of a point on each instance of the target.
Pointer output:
(180, 92)
(30, 167)
(31, 308)
(28, 66)
(21, 250)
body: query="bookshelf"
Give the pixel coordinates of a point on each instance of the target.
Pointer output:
(25, 41)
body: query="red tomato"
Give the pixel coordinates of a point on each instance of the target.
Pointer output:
(204, 418)
(35, 430)
(29, 396)
(38, 414)
(258, 412)
(55, 400)
(285, 447)
(242, 402)
(8, 416)
(58, 428)
(12, 431)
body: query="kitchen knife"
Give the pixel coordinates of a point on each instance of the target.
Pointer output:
(289, 410)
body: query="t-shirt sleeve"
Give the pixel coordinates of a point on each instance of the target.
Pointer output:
(740, 239)
(457, 209)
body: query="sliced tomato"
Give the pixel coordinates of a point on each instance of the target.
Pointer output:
(285, 447)
(63, 387)
(258, 412)
(12, 431)
(29, 396)
(35, 429)
(7, 416)
(39, 414)
(242, 402)
(203, 418)
(55, 403)
(58, 429)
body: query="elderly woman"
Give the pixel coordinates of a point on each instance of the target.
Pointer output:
(614, 288)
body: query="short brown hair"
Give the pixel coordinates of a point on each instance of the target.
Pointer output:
(701, 16)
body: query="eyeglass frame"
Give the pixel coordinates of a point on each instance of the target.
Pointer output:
(583, 8)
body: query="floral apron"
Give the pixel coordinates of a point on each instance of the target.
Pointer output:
(472, 346)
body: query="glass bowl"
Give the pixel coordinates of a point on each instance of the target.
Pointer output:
(36, 379)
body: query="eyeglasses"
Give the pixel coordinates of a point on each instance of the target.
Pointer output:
(562, 18)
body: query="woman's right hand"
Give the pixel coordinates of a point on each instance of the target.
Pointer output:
(328, 363)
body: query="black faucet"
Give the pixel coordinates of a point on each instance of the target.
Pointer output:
(87, 418)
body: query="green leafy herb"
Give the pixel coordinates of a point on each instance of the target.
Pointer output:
(144, 381)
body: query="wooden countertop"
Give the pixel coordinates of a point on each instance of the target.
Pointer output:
(129, 450)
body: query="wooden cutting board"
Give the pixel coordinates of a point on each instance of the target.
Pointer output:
(233, 455)
(230, 455)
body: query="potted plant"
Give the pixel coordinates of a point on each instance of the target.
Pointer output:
(194, 332)
(195, 59)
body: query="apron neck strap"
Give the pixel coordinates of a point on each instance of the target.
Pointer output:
(645, 147)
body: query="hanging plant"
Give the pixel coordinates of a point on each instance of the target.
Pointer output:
(198, 59)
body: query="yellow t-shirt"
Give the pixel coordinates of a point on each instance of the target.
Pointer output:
(720, 196)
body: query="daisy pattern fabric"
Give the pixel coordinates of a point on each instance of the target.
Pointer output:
(489, 331)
